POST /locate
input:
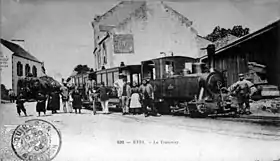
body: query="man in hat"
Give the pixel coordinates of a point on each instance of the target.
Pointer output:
(118, 84)
(65, 97)
(147, 94)
(125, 94)
(242, 90)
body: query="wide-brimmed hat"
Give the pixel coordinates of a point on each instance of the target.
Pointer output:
(241, 75)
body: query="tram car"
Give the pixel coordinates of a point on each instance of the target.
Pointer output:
(110, 75)
(184, 84)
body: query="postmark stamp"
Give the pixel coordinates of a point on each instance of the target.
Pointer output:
(36, 140)
(6, 151)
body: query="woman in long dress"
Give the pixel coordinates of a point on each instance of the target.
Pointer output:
(135, 103)
(77, 100)
(41, 103)
(54, 101)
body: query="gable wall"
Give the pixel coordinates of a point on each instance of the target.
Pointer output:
(154, 30)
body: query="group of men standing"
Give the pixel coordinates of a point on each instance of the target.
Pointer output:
(127, 99)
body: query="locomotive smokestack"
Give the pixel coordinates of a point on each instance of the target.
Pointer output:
(210, 52)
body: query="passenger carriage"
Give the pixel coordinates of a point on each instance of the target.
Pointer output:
(110, 75)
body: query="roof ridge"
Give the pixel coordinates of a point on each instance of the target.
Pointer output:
(184, 18)
(111, 10)
(103, 16)
(18, 50)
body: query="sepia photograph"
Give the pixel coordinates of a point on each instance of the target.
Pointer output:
(136, 80)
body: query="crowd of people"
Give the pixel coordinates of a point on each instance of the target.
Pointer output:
(136, 99)
(133, 99)
(71, 99)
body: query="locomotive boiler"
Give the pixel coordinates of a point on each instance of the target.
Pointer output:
(186, 85)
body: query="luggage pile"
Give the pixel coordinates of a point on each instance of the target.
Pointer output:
(31, 85)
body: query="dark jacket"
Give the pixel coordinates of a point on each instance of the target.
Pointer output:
(147, 91)
(53, 101)
(103, 92)
(77, 100)
(20, 101)
(41, 103)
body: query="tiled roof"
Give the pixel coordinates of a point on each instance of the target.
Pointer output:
(225, 41)
(119, 13)
(18, 50)
(247, 37)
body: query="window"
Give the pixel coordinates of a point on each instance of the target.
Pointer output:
(19, 69)
(98, 78)
(169, 68)
(98, 60)
(27, 69)
(115, 76)
(110, 79)
(104, 78)
(34, 71)
(104, 54)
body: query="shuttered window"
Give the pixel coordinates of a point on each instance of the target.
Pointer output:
(19, 69)
(34, 71)
(27, 69)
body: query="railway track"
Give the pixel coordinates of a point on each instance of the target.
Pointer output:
(263, 135)
(270, 124)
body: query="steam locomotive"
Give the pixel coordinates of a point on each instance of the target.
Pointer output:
(182, 84)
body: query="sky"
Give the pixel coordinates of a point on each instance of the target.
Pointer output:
(59, 32)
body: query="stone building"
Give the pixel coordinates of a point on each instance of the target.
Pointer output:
(22, 64)
(134, 31)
